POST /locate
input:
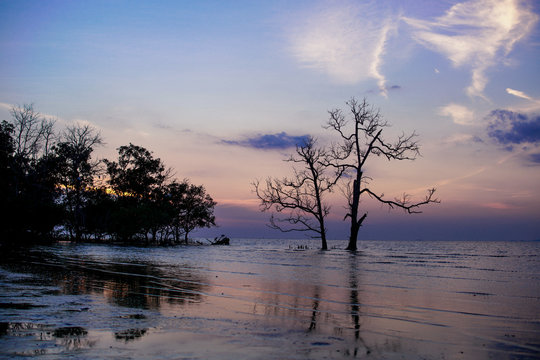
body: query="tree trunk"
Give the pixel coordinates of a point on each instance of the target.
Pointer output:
(78, 210)
(323, 239)
(355, 227)
(320, 215)
(354, 213)
(353, 237)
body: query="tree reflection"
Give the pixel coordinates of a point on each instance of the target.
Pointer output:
(130, 284)
(130, 334)
(315, 311)
(355, 305)
(73, 337)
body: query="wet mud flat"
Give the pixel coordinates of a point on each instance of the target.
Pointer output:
(272, 299)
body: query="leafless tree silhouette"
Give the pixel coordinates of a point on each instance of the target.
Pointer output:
(361, 139)
(33, 134)
(301, 198)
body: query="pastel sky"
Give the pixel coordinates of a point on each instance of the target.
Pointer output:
(220, 91)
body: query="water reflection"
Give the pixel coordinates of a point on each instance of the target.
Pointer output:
(143, 285)
(355, 306)
(72, 337)
(327, 305)
(315, 312)
(130, 334)
(394, 302)
(68, 337)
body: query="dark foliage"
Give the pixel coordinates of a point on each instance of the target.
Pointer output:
(191, 207)
(29, 209)
(49, 189)
(76, 173)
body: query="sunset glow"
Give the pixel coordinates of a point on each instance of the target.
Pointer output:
(222, 91)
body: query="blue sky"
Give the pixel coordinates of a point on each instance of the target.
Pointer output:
(220, 90)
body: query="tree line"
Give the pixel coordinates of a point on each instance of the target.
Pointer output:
(52, 188)
(298, 202)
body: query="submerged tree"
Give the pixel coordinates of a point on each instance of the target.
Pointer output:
(361, 139)
(300, 198)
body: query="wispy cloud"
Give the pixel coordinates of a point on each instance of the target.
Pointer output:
(532, 106)
(269, 141)
(512, 128)
(476, 34)
(460, 114)
(5, 106)
(499, 206)
(458, 139)
(344, 40)
(375, 69)
(519, 94)
(460, 178)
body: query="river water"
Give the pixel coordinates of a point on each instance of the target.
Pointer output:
(273, 299)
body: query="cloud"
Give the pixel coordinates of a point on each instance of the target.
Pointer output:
(512, 128)
(476, 34)
(535, 158)
(533, 106)
(459, 178)
(460, 114)
(518, 93)
(5, 106)
(458, 139)
(344, 40)
(499, 206)
(385, 89)
(162, 126)
(269, 141)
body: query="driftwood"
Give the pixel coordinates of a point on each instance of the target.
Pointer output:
(221, 240)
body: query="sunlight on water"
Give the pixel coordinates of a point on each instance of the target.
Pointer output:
(274, 299)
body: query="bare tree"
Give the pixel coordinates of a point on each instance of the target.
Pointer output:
(300, 197)
(362, 139)
(33, 134)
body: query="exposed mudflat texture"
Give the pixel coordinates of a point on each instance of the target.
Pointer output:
(262, 299)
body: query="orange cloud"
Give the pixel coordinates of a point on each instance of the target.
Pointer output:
(499, 206)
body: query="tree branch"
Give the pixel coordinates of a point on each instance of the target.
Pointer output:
(405, 201)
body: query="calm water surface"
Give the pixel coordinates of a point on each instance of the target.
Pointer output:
(262, 299)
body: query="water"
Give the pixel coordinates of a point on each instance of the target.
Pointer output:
(264, 299)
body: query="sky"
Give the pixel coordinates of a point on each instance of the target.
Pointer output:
(222, 90)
